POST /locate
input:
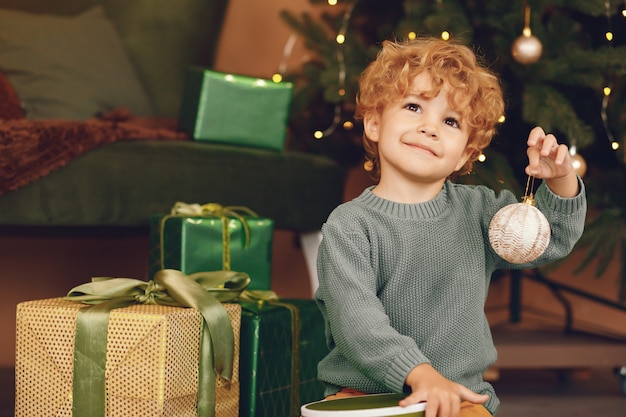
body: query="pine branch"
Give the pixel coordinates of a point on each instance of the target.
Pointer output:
(495, 173)
(316, 36)
(546, 107)
(603, 241)
(589, 7)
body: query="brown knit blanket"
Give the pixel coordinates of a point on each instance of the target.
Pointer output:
(31, 149)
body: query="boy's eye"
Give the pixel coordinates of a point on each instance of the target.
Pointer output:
(452, 122)
(413, 107)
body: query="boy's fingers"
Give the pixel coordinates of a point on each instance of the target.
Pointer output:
(549, 145)
(413, 398)
(533, 161)
(562, 154)
(432, 409)
(534, 136)
(471, 396)
(446, 409)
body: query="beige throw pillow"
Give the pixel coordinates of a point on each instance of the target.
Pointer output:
(68, 67)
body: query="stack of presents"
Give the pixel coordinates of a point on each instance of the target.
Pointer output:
(205, 336)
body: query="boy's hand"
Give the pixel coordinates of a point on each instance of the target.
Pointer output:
(551, 162)
(546, 158)
(443, 396)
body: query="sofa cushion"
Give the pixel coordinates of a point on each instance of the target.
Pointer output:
(164, 37)
(125, 183)
(68, 67)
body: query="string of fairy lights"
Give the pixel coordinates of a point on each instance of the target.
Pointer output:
(526, 50)
(340, 39)
(607, 90)
(579, 163)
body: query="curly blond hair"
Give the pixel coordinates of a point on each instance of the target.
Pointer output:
(473, 90)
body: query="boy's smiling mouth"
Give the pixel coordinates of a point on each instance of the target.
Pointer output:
(420, 147)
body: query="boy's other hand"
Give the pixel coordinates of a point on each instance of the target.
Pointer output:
(443, 397)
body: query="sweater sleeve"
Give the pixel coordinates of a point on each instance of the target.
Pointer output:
(566, 217)
(359, 325)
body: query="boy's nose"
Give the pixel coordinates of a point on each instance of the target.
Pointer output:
(428, 131)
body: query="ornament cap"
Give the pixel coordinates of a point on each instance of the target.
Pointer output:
(529, 199)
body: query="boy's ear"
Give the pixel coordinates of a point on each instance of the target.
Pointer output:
(370, 126)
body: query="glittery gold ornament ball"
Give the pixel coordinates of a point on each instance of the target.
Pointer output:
(519, 232)
(526, 49)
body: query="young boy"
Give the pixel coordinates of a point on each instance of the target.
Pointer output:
(405, 267)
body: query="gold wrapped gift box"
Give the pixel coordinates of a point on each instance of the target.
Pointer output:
(151, 360)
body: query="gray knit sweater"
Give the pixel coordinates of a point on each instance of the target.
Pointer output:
(405, 284)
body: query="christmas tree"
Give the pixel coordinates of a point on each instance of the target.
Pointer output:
(561, 63)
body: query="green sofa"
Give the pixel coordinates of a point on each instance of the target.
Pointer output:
(122, 184)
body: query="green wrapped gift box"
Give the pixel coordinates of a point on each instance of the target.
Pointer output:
(235, 109)
(198, 243)
(281, 345)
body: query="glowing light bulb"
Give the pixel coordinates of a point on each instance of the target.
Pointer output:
(332, 2)
(502, 119)
(341, 38)
(341, 92)
(318, 134)
(624, 12)
(445, 35)
(277, 78)
(348, 125)
(482, 157)
(614, 146)
(607, 91)
(609, 36)
(411, 35)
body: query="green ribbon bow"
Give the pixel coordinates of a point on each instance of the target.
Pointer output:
(203, 291)
(181, 209)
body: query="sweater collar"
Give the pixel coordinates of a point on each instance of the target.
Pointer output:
(427, 209)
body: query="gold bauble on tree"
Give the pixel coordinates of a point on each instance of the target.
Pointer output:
(527, 48)
(579, 164)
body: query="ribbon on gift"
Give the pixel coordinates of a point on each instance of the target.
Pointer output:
(181, 209)
(203, 291)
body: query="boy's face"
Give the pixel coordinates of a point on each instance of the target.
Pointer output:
(419, 139)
